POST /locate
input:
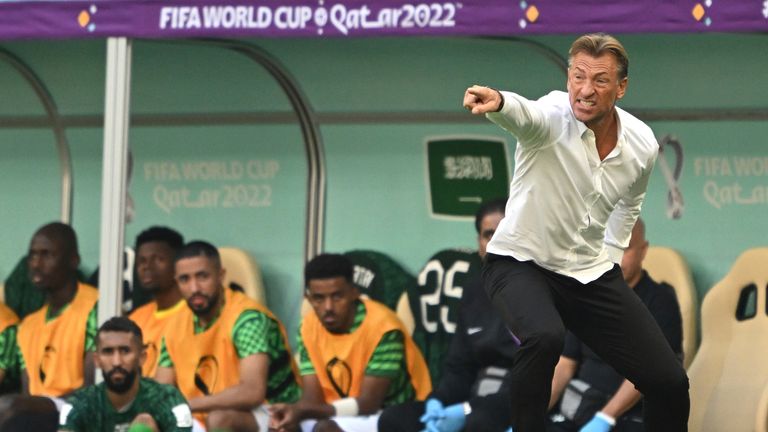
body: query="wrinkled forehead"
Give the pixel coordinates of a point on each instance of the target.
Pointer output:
(604, 63)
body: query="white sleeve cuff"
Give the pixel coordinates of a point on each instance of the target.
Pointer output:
(615, 254)
(608, 419)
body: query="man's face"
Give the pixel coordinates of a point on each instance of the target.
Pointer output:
(154, 265)
(334, 301)
(50, 266)
(120, 357)
(594, 87)
(488, 225)
(201, 282)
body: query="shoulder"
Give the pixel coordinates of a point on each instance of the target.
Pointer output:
(157, 390)
(253, 317)
(88, 292)
(7, 315)
(656, 293)
(639, 134)
(85, 396)
(378, 311)
(555, 98)
(33, 320)
(142, 311)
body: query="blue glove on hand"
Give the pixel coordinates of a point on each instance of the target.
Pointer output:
(452, 419)
(597, 424)
(432, 410)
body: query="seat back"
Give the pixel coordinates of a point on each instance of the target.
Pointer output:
(730, 371)
(434, 301)
(242, 270)
(664, 264)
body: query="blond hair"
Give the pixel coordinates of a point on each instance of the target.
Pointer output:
(597, 44)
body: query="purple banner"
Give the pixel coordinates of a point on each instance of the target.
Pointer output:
(354, 18)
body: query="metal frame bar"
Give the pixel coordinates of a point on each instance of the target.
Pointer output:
(114, 169)
(53, 120)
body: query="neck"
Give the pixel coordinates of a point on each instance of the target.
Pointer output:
(120, 401)
(61, 297)
(167, 298)
(606, 133)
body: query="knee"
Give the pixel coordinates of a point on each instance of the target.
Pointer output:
(145, 419)
(326, 425)
(547, 343)
(219, 419)
(493, 423)
(671, 381)
(388, 420)
(402, 417)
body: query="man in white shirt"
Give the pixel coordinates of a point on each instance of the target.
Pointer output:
(581, 170)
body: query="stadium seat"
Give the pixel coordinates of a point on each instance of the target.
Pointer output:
(730, 372)
(761, 420)
(242, 270)
(667, 265)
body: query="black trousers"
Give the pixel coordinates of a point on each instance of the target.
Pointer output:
(537, 305)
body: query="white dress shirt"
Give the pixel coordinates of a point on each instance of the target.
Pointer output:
(568, 211)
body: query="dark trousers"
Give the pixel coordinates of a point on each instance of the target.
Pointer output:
(537, 305)
(405, 418)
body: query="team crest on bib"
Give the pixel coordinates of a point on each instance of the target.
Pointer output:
(206, 374)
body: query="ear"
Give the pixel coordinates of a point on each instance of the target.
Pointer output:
(355, 290)
(96, 359)
(142, 355)
(74, 261)
(622, 87)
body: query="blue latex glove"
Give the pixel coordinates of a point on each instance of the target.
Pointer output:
(453, 419)
(597, 424)
(432, 411)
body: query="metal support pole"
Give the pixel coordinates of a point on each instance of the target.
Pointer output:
(113, 178)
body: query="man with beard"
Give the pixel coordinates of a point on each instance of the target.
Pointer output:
(227, 354)
(54, 341)
(355, 356)
(156, 249)
(124, 400)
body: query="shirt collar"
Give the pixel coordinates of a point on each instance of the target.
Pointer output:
(620, 138)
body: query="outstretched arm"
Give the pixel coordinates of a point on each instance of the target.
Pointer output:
(482, 100)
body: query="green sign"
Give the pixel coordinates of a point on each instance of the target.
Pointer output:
(464, 172)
